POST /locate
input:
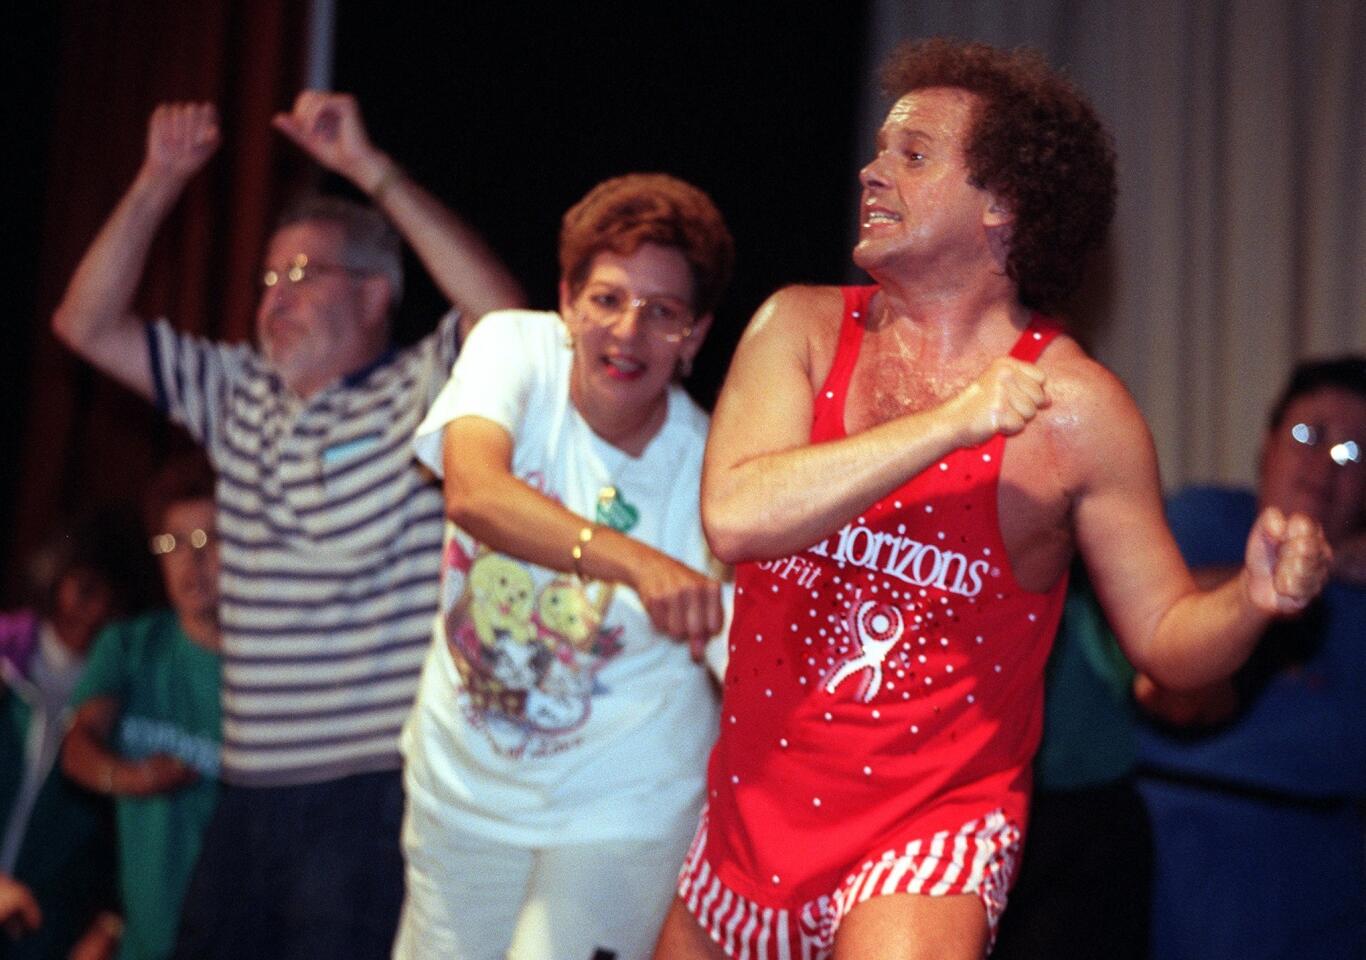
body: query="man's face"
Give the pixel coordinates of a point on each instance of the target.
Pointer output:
(629, 359)
(1299, 471)
(189, 569)
(312, 331)
(918, 208)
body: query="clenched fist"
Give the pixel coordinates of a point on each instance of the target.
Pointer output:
(329, 128)
(1287, 562)
(181, 137)
(680, 601)
(1002, 400)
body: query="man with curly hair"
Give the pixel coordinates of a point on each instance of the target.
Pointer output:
(902, 565)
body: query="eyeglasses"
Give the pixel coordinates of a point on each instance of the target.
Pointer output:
(194, 541)
(1310, 435)
(667, 318)
(300, 270)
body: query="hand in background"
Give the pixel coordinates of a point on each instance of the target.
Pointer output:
(159, 773)
(181, 137)
(328, 127)
(19, 913)
(101, 941)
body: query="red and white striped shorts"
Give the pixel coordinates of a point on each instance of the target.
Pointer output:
(979, 858)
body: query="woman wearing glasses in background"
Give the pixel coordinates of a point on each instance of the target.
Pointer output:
(555, 756)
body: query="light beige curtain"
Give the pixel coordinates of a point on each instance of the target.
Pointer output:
(1239, 245)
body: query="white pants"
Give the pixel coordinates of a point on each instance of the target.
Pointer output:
(473, 899)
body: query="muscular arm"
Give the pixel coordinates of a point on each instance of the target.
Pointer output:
(492, 505)
(328, 127)
(1180, 635)
(87, 759)
(768, 491)
(94, 317)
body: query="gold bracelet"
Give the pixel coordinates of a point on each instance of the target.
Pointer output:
(387, 179)
(585, 535)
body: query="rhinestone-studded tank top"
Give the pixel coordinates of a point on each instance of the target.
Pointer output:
(883, 684)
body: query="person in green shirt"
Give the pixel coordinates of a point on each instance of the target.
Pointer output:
(147, 726)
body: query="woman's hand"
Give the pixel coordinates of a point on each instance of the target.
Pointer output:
(680, 601)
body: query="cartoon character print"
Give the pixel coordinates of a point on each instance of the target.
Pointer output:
(491, 636)
(528, 661)
(567, 612)
(570, 623)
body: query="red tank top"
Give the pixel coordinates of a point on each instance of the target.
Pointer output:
(885, 683)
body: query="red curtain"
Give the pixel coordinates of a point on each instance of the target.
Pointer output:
(86, 441)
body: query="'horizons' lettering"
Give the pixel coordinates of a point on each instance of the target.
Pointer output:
(910, 561)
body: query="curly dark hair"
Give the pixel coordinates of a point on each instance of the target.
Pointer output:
(1037, 144)
(625, 212)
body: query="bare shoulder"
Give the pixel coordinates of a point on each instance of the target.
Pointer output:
(798, 309)
(1079, 382)
(799, 322)
(1092, 422)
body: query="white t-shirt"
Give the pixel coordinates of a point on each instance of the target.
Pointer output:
(549, 711)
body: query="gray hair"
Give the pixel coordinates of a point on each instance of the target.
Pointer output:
(370, 242)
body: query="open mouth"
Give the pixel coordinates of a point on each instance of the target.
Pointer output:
(623, 368)
(877, 216)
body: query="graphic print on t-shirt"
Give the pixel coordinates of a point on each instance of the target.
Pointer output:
(528, 659)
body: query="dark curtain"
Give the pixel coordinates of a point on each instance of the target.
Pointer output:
(86, 442)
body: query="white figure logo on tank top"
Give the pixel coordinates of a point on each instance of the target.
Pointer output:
(878, 628)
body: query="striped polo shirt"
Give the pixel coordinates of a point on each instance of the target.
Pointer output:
(330, 537)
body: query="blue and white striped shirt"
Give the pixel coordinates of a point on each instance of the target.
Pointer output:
(330, 536)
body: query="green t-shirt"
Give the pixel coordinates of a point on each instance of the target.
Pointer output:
(167, 688)
(1088, 733)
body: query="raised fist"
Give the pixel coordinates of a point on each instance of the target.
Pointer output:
(328, 127)
(181, 137)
